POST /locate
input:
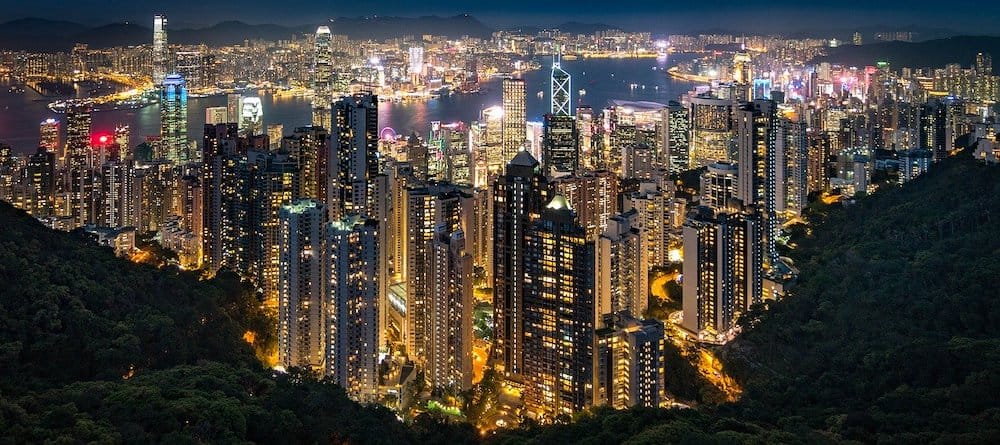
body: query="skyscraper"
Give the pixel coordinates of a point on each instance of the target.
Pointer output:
(518, 198)
(351, 305)
(78, 161)
(515, 121)
(594, 197)
(322, 72)
(301, 286)
(355, 157)
(309, 148)
(439, 283)
(560, 145)
(251, 116)
(561, 91)
(49, 131)
(678, 133)
(723, 264)
(711, 131)
(719, 185)
(161, 50)
(629, 365)
(173, 120)
(757, 128)
(622, 266)
(416, 64)
(558, 313)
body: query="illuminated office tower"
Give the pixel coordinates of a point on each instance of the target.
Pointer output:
(719, 185)
(308, 147)
(50, 135)
(594, 197)
(678, 133)
(757, 129)
(933, 121)
(251, 116)
(629, 365)
(586, 128)
(350, 294)
(274, 134)
(515, 121)
(652, 205)
(416, 64)
(123, 141)
(560, 145)
(561, 90)
(41, 172)
(301, 286)
(558, 313)
(78, 161)
(711, 131)
(437, 164)
(723, 264)
(78, 121)
(216, 115)
(173, 120)
(355, 163)
(792, 152)
(622, 267)
(457, 153)
(490, 143)
(743, 75)
(322, 72)
(161, 50)
(817, 176)
(439, 283)
(518, 197)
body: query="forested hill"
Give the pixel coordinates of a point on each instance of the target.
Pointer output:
(96, 349)
(893, 333)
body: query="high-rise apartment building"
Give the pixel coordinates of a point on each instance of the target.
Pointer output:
(302, 283)
(518, 197)
(355, 157)
(723, 270)
(629, 364)
(558, 313)
(622, 267)
(594, 197)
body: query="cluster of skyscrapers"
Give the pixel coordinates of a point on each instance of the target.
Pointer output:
(369, 246)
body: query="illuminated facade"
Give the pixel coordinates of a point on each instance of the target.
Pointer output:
(515, 121)
(651, 205)
(301, 286)
(629, 365)
(518, 197)
(351, 305)
(723, 271)
(355, 164)
(622, 267)
(308, 147)
(173, 120)
(561, 90)
(560, 145)
(216, 115)
(594, 197)
(719, 185)
(711, 131)
(439, 283)
(678, 134)
(251, 116)
(757, 141)
(161, 51)
(322, 78)
(558, 314)
(49, 130)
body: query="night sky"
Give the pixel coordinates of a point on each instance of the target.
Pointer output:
(982, 17)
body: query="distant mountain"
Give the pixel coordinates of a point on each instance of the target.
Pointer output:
(932, 53)
(568, 27)
(47, 35)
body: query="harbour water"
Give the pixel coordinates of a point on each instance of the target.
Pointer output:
(601, 79)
